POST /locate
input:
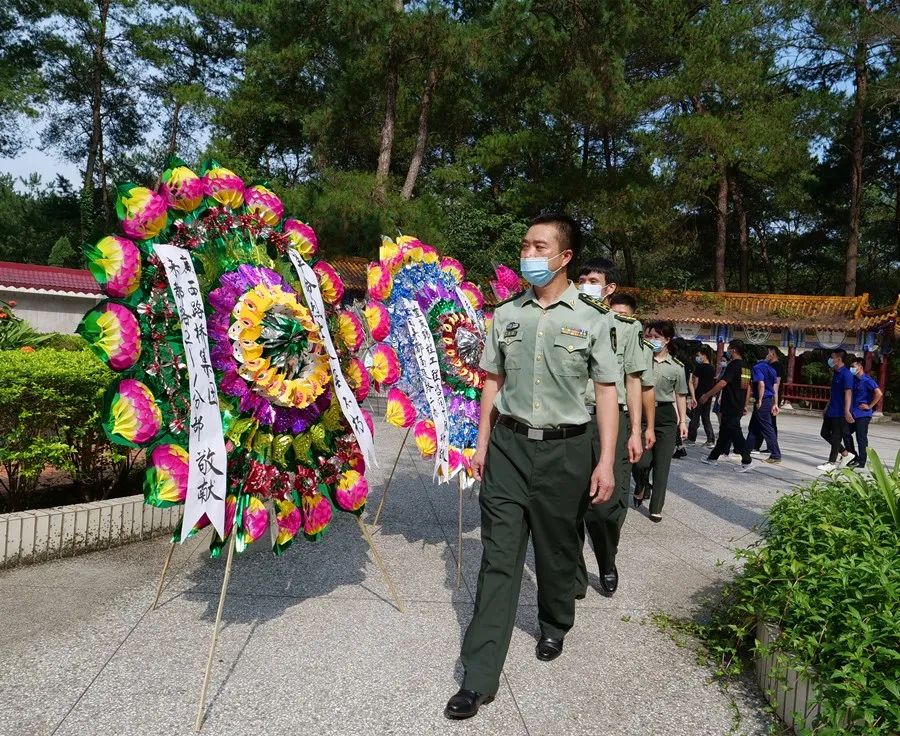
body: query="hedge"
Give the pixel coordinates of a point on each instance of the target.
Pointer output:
(49, 416)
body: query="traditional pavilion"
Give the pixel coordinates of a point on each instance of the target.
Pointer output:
(794, 323)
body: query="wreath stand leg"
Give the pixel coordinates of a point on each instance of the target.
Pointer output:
(364, 530)
(459, 538)
(390, 478)
(201, 707)
(162, 576)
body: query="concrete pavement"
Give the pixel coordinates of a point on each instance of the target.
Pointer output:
(312, 644)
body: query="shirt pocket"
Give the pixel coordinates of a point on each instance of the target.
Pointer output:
(570, 356)
(512, 353)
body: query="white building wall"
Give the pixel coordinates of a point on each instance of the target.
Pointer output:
(50, 312)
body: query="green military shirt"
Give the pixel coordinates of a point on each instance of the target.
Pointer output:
(546, 356)
(648, 378)
(632, 354)
(668, 376)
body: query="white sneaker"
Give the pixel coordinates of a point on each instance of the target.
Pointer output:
(843, 460)
(826, 467)
(709, 461)
(756, 453)
(742, 468)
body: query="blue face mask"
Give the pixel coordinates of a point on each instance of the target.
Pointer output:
(536, 271)
(831, 362)
(697, 358)
(656, 345)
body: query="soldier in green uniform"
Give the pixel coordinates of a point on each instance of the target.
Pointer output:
(534, 454)
(671, 419)
(603, 522)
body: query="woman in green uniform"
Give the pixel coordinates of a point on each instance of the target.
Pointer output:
(671, 420)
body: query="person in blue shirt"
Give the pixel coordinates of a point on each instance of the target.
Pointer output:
(866, 395)
(838, 414)
(762, 382)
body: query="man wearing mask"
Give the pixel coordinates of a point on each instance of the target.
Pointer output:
(763, 383)
(774, 360)
(603, 522)
(703, 379)
(838, 414)
(533, 456)
(866, 396)
(733, 406)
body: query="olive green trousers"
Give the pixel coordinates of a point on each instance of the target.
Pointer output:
(658, 459)
(536, 487)
(603, 521)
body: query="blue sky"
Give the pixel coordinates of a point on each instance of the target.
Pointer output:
(48, 165)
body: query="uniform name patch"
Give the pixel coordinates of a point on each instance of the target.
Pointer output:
(574, 332)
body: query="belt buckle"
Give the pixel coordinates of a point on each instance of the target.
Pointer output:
(535, 434)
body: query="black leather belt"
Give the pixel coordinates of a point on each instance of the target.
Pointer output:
(541, 434)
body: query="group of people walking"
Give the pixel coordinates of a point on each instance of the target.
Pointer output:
(579, 402)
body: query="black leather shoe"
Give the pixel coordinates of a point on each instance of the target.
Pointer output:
(609, 581)
(465, 704)
(548, 649)
(581, 595)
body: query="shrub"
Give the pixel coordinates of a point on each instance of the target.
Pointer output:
(59, 341)
(827, 574)
(16, 333)
(816, 373)
(49, 416)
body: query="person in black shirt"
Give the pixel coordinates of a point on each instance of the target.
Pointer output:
(704, 379)
(733, 404)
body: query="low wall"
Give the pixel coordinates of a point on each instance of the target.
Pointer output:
(65, 531)
(786, 689)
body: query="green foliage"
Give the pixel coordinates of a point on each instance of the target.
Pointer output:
(49, 416)
(63, 254)
(16, 333)
(827, 575)
(816, 373)
(347, 220)
(59, 341)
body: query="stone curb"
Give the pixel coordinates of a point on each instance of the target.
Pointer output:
(65, 531)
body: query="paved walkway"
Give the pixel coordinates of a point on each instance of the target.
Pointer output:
(311, 643)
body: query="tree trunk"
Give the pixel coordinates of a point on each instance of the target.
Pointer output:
(630, 275)
(173, 133)
(104, 190)
(386, 146)
(856, 156)
(415, 164)
(743, 236)
(764, 258)
(96, 118)
(607, 151)
(721, 233)
(586, 148)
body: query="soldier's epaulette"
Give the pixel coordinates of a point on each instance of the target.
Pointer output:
(625, 318)
(646, 344)
(677, 362)
(594, 302)
(512, 298)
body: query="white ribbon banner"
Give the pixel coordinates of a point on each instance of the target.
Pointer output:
(470, 310)
(207, 458)
(427, 360)
(349, 406)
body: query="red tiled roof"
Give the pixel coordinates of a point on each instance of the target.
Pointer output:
(352, 270)
(47, 278)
